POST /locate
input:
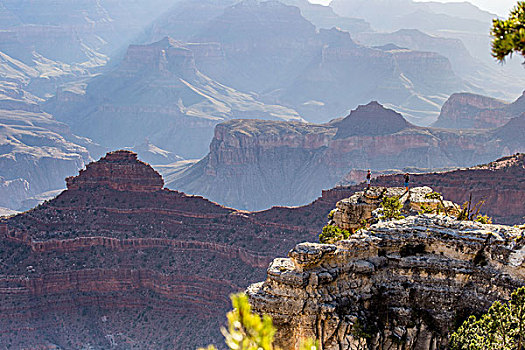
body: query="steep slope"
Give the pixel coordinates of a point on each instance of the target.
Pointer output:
(255, 164)
(325, 17)
(320, 74)
(159, 94)
(185, 19)
(269, 48)
(116, 260)
(404, 284)
(36, 151)
(453, 49)
(469, 111)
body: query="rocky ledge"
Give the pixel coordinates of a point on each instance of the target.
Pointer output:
(402, 284)
(350, 212)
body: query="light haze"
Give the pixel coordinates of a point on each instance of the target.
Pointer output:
(499, 7)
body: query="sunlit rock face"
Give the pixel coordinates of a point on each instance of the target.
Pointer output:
(121, 171)
(292, 161)
(401, 284)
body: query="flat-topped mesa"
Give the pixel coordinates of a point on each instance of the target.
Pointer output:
(119, 170)
(402, 284)
(167, 56)
(350, 212)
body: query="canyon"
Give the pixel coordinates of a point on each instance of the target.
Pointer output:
(119, 260)
(216, 94)
(257, 164)
(312, 68)
(73, 63)
(401, 284)
(159, 87)
(36, 151)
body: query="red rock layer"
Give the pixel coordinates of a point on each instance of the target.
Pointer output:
(113, 259)
(115, 243)
(501, 184)
(120, 171)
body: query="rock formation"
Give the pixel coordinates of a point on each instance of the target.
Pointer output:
(36, 151)
(158, 87)
(401, 284)
(116, 259)
(350, 212)
(120, 171)
(469, 111)
(324, 17)
(256, 164)
(499, 184)
(274, 50)
(63, 41)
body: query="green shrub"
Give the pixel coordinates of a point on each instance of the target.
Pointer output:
(483, 219)
(391, 208)
(426, 209)
(502, 327)
(332, 234)
(248, 331)
(508, 36)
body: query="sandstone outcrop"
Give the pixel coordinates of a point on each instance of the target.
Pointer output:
(402, 284)
(256, 164)
(121, 171)
(350, 212)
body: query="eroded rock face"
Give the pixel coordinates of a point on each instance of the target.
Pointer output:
(119, 170)
(350, 212)
(116, 259)
(468, 111)
(293, 161)
(398, 285)
(159, 87)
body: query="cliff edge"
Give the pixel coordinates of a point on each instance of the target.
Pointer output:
(402, 284)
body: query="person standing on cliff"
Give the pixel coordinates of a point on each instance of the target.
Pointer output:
(368, 178)
(407, 181)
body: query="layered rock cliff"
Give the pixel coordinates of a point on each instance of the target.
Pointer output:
(118, 261)
(158, 87)
(469, 111)
(500, 184)
(403, 284)
(255, 164)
